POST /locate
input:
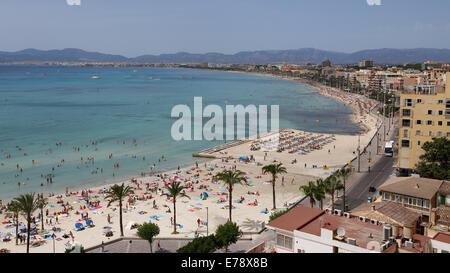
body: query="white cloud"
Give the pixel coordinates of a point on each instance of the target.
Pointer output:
(374, 2)
(73, 2)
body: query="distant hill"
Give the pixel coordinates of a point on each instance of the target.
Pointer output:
(64, 55)
(379, 56)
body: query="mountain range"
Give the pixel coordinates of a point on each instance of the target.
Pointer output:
(311, 55)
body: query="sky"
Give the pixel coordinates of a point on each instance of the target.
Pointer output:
(137, 27)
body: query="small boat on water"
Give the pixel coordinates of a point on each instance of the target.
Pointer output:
(95, 77)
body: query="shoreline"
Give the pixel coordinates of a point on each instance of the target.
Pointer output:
(249, 217)
(119, 180)
(319, 87)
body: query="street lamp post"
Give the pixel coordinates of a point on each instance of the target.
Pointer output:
(359, 153)
(53, 236)
(207, 221)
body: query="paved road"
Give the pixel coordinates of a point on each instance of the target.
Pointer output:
(358, 183)
(359, 192)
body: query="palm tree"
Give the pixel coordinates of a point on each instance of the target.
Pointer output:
(42, 204)
(344, 173)
(27, 203)
(14, 208)
(175, 190)
(118, 193)
(319, 191)
(333, 184)
(274, 169)
(308, 190)
(231, 178)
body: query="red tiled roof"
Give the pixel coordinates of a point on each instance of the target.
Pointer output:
(296, 218)
(442, 237)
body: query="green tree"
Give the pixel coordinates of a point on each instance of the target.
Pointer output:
(148, 231)
(277, 214)
(308, 190)
(231, 178)
(72, 250)
(15, 209)
(435, 162)
(175, 190)
(274, 169)
(119, 193)
(319, 191)
(206, 244)
(333, 184)
(42, 204)
(227, 234)
(344, 173)
(27, 203)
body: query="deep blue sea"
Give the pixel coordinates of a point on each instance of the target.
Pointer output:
(126, 112)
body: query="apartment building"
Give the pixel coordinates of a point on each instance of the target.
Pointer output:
(310, 230)
(424, 114)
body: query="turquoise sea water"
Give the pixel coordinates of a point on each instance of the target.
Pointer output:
(42, 106)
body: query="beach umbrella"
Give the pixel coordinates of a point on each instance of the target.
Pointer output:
(205, 194)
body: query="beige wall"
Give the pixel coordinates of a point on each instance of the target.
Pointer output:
(416, 133)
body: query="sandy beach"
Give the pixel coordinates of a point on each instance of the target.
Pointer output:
(305, 155)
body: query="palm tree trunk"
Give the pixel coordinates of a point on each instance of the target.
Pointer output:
(321, 204)
(120, 218)
(273, 192)
(16, 218)
(174, 216)
(151, 249)
(42, 219)
(311, 201)
(343, 198)
(332, 200)
(230, 201)
(28, 233)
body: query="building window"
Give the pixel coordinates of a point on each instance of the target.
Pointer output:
(440, 123)
(419, 202)
(429, 112)
(397, 198)
(439, 134)
(386, 196)
(406, 122)
(405, 133)
(430, 133)
(440, 112)
(440, 102)
(429, 122)
(419, 143)
(419, 101)
(406, 112)
(418, 133)
(426, 204)
(405, 143)
(448, 123)
(418, 122)
(284, 241)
